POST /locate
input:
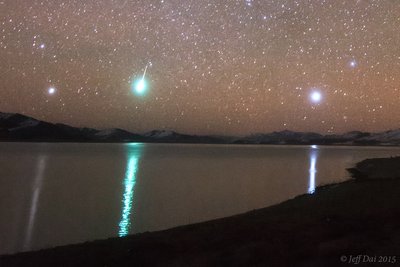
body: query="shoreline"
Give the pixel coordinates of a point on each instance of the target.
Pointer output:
(380, 145)
(356, 217)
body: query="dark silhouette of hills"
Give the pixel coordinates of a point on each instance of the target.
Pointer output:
(17, 127)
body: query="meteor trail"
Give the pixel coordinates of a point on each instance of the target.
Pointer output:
(145, 70)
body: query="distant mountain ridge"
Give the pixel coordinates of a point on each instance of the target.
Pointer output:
(18, 127)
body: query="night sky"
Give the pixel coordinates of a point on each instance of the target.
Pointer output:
(205, 67)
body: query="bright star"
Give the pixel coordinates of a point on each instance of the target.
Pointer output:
(51, 91)
(316, 97)
(353, 63)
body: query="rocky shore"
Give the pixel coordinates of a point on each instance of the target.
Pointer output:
(340, 225)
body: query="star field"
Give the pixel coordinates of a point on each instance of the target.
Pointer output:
(213, 67)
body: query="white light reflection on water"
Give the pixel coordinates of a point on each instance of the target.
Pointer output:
(134, 153)
(37, 186)
(313, 169)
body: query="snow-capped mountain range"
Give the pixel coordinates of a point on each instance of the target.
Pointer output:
(17, 127)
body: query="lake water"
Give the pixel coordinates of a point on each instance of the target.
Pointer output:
(57, 194)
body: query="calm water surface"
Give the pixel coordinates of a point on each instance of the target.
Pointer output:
(56, 194)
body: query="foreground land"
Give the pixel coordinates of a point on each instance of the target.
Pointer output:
(357, 217)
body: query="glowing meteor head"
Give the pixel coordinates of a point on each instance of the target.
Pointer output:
(140, 86)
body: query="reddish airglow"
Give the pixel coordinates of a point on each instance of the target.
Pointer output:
(217, 67)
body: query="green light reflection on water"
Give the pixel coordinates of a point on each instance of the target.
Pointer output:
(134, 153)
